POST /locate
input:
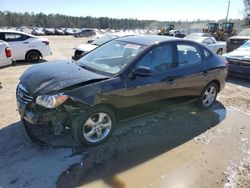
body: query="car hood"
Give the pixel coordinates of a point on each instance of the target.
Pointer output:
(56, 75)
(86, 47)
(241, 54)
(240, 37)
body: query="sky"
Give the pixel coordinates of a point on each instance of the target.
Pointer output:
(162, 10)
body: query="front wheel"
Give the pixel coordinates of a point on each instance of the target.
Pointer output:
(208, 95)
(95, 126)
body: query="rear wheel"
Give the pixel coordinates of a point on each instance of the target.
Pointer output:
(33, 56)
(208, 95)
(95, 126)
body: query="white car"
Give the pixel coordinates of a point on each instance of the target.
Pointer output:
(5, 54)
(239, 61)
(208, 41)
(82, 49)
(25, 46)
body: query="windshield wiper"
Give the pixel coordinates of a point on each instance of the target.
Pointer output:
(87, 68)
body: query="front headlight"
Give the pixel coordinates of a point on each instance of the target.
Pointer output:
(51, 101)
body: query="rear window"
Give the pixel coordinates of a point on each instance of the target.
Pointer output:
(207, 54)
(188, 54)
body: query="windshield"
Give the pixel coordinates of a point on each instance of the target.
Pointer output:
(104, 39)
(246, 45)
(200, 40)
(244, 32)
(193, 36)
(112, 57)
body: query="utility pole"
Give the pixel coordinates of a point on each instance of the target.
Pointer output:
(228, 9)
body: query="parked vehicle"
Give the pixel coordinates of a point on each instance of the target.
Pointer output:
(25, 46)
(82, 49)
(237, 41)
(5, 54)
(68, 31)
(166, 31)
(221, 32)
(85, 33)
(48, 31)
(59, 31)
(176, 33)
(212, 28)
(239, 61)
(88, 97)
(192, 36)
(210, 42)
(37, 32)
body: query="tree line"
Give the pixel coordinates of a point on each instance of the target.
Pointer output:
(14, 19)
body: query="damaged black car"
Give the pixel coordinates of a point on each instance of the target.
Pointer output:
(87, 97)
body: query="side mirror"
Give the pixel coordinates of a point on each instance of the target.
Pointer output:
(143, 71)
(89, 41)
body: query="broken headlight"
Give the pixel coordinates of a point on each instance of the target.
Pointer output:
(51, 101)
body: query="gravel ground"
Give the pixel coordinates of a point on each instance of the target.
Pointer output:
(22, 165)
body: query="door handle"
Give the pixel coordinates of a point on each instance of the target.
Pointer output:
(171, 79)
(25, 42)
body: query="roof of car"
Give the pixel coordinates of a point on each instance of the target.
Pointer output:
(147, 39)
(14, 31)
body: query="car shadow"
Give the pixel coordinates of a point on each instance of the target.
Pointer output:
(136, 141)
(239, 81)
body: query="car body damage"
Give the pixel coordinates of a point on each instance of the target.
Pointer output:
(55, 76)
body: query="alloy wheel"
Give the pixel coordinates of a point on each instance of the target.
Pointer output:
(97, 127)
(209, 96)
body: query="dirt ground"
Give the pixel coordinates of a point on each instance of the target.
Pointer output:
(182, 147)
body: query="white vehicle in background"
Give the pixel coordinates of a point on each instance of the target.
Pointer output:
(208, 41)
(25, 46)
(82, 49)
(5, 54)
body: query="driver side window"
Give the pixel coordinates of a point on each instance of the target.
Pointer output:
(159, 59)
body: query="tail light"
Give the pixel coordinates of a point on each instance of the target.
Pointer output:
(8, 52)
(45, 42)
(226, 62)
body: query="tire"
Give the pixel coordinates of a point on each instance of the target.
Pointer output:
(13, 63)
(220, 51)
(33, 56)
(97, 122)
(208, 95)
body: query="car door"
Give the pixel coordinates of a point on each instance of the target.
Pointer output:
(192, 70)
(18, 44)
(210, 44)
(158, 86)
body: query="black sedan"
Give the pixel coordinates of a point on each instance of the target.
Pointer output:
(88, 97)
(85, 33)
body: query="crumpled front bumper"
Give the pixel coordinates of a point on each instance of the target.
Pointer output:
(36, 117)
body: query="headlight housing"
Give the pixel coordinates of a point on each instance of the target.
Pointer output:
(51, 101)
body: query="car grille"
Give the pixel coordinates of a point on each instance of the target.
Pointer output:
(239, 62)
(22, 95)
